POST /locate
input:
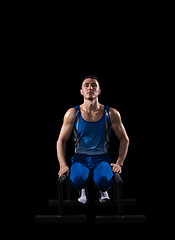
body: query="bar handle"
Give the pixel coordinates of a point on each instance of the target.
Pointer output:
(60, 179)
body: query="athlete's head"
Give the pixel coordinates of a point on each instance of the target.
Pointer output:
(90, 88)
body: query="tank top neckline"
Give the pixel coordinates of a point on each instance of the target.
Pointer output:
(92, 121)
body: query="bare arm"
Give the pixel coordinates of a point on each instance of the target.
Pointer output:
(120, 132)
(65, 133)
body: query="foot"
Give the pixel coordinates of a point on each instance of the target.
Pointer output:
(104, 197)
(83, 198)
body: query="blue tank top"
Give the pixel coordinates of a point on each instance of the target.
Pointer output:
(92, 138)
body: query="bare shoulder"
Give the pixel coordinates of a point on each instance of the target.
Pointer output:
(114, 115)
(69, 116)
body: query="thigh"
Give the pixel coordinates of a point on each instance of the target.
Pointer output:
(103, 176)
(79, 176)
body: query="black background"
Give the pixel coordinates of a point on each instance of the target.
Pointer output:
(124, 54)
(57, 92)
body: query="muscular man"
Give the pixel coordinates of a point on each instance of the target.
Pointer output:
(92, 124)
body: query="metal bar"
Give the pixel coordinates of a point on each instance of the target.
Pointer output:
(120, 200)
(60, 199)
(60, 219)
(119, 194)
(123, 219)
(68, 190)
(115, 190)
(126, 202)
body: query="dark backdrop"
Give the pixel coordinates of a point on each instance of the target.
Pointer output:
(55, 94)
(57, 63)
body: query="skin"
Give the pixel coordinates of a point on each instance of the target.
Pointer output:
(91, 110)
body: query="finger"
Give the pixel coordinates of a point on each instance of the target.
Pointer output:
(117, 170)
(60, 173)
(68, 173)
(64, 172)
(113, 166)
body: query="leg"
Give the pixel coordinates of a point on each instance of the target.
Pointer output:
(103, 176)
(79, 176)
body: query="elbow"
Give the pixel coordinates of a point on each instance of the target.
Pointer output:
(56, 144)
(60, 142)
(125, 140)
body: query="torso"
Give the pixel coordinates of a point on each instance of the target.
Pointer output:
(92, 130)
(92, 116)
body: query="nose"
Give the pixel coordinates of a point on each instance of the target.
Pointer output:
(90, 86)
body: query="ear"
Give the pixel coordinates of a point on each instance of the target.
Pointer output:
(81, 91)
(99, 91)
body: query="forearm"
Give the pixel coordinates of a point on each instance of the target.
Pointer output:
(123, 149)
(61, 152)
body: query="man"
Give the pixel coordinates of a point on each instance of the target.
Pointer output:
(92, 124)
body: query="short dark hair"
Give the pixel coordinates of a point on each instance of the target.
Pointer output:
(91, 76)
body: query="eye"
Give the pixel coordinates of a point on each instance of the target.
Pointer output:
(94, 85)
(86, 85)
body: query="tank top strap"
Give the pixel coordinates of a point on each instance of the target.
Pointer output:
(107, 117)
(76, 124)
(78, 115)
(106, 108)
(77, 108)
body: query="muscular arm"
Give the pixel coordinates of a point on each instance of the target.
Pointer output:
(65, 133)
(120, 132)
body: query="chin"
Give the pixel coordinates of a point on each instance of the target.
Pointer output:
(90, 98)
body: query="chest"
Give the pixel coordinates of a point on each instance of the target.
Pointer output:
(92, 117)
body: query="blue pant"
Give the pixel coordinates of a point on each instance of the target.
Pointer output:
(96, 167)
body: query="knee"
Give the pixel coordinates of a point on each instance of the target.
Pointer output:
(103, 176)
(77, 181)
(103, 184)
(79, 175)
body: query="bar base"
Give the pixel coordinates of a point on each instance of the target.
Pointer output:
(123, 219)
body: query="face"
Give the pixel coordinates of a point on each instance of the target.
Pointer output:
(90, 89)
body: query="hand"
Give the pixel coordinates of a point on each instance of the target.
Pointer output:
(63, 169)
(116, 167)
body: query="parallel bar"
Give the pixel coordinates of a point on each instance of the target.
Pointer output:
(115, 189)
(59, 219)
(126, 202)
(60, 199)
(68, 190)
(118, 178)
(59, 184)
(60, 180)
(119, 194)
(123, 219)
(54, 203)
(120, 201)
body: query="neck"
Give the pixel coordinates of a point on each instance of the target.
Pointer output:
(91, 106)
